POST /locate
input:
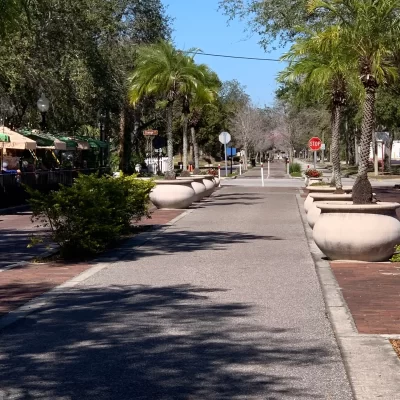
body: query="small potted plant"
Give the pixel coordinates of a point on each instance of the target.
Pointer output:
(312, 175)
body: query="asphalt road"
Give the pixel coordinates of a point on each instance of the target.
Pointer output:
(224, 305)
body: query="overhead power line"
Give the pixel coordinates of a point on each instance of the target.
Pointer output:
(240, 57)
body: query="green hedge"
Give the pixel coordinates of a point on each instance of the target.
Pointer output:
(93, 213)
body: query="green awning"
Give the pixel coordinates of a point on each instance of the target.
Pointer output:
(100, 143)
(71, 144)
(41, 139)
(93, 143)
(4, 138)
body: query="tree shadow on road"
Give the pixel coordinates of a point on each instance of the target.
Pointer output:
(13, 245)
(173, 241)
(159, 343)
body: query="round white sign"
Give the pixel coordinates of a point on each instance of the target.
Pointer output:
(224, 137)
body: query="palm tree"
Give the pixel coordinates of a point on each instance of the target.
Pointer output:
(370, 29)
(203, 94)
(165, 72)
(322, 71)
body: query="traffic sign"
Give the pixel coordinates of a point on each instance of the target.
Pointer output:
(150, 132)
(231, 151)
(315, 143)
(225, 137)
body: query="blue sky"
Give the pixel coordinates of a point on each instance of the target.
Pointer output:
(198, 23)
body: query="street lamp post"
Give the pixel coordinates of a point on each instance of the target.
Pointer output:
(43, 105)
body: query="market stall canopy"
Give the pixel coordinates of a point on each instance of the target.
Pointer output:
(71, 144)
(4, 137)
(93, 143)
(44, 140)
(17, 141)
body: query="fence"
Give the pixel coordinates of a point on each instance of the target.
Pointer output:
(12, 191)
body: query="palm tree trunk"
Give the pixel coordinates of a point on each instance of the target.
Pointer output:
(362, 190)
(195, 148)
(170, 143)
(335, 147)
(185, 141)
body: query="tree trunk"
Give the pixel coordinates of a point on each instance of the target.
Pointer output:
(335, 148)
(122, 121)
(347, 142)
(185, 141)
(170, 142)
(391, 137)
(362, 190)
(351, 147)
(195, 148)
(356, 152)
(375, 154)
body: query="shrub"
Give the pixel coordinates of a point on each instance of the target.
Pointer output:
(185, 174)
(212, 171)
(92, 214)
(313, 173)
(396, 255)
(295, 174)
(294, 167)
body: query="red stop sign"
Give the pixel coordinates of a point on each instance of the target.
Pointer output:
(314, 143)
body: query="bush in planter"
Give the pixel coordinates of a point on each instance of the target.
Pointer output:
(92, 214)
(185, 174)
(313, 173)
(319, 184)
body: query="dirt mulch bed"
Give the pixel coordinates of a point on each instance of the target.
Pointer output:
(396, 346)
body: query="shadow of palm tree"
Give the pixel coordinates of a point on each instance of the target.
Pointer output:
(181, 241)
(158, 343)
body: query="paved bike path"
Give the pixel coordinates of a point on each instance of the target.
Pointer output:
(225, 304)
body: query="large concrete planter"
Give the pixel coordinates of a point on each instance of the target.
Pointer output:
(309, 181)
(208, 183)
(198, 187)
(314, 212)
(177, 193)
(357, 232)
(217, 181)
(321, 189)
(317, 196)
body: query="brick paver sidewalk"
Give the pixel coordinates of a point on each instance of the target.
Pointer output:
(372, 294)
(21, 284)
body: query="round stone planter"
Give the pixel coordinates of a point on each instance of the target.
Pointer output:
(177, 193)
(309, 181)
(198, 187)
(321, 189)
(317, 196)
(217, 181)
(314, 212)
(208, 183)
(357, 232)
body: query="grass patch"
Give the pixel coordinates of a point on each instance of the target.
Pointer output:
(296, 174)
(319, 184)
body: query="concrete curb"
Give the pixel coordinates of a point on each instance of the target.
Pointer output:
(102, 262)
(5, 211)
(372, 365)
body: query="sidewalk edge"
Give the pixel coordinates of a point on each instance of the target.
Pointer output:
(371, 364)
(102, 262)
